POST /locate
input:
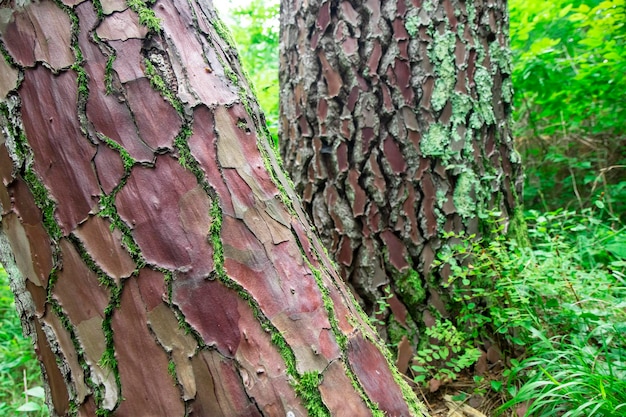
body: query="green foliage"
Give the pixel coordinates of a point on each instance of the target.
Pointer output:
(574, 375)
(20, 377)
(254, 28)
(443, 354)
(561, 300)
(570, 57)
(382, 306)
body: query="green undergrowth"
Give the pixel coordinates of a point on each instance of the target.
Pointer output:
(20, 377)
(557, 309)
(570, 127)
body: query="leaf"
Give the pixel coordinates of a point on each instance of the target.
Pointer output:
(565, 10)
(496, 385)
(37, 392)
(419, 378)
(583, 8)
(29, 406)
(460, 397)
(617, 248)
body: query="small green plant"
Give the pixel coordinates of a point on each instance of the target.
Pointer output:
(18, 366)
(443, 354)
(35, 402)
(382, 307)
(574, 376)
(561, 301)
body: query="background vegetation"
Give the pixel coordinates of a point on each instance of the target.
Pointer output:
(559, 303)
(20, 378)
(569, 63)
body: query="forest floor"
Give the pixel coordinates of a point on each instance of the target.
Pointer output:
(464, 397)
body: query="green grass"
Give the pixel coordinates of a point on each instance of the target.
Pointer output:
(571, 317)
(20, 376)
(561, 301)
(574, 376)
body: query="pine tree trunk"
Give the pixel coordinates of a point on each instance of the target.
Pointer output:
(158, 255)
(395, 130)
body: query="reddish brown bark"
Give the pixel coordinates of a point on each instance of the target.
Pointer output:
(395, 129)
(159, 257)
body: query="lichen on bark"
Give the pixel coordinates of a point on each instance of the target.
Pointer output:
(395, 129)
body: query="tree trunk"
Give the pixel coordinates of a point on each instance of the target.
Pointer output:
(395, 130)
(158, 255)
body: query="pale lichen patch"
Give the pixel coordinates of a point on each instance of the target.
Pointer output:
(436, 141)
(465, 194)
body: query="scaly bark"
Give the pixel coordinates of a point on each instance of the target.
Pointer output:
(395, 129)
(158, 256)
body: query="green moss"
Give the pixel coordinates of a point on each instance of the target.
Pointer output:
(127, 160)
(307, 389)
(159, 84)
(243, 96)
(215, 231)
(108, 74)
(518, 230)
(285, 351)
(16, 142)
(395, 331)
(44, 202)
(242, 125)
(231, 75)
(104, 280)
(83, 82)
(341, 338)
(169, 280)
(102, 412)
(108, 359)
(411, 289)
(185, 159)
(72, 408)
(284, 197)
(171, 369)
(223, 32)
(147, 17)
(108, 210)
(97, 4)
(7, 56)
